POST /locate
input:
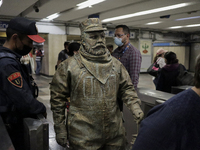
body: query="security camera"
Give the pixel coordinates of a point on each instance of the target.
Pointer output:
(36, 9)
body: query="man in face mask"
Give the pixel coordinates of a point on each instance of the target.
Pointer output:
(16, 98)
(128, 55)
(93, 80)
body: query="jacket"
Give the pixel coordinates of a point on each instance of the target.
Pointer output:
(94, 112)
(168, 77)
(15, 89)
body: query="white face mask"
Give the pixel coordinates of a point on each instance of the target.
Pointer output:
(118, 41)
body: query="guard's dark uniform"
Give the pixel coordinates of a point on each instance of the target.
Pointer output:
(16, 98)
(15, 87)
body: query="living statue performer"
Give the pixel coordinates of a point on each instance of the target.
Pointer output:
(93, 80)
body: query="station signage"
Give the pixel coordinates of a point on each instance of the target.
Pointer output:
(4, 24)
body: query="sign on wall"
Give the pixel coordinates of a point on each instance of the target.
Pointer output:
(145, 47)
(109, 33)
(4, 24)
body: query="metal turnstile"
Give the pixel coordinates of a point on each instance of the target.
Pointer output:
(149, 97)
(178, 89)
(36, 133)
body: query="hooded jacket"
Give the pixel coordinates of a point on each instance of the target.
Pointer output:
(168, 77)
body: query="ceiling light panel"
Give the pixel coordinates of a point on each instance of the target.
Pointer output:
(1, 2)
(51, 17)
(187, 26)
(176, 27)
(193, 25)
(147, 12)
(88, 3)
(195, 17)
(152, 23)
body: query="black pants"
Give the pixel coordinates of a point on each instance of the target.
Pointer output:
(16, 134)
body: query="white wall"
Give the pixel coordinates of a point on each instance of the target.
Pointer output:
(50, 28)
(73, 31)
(54, 30)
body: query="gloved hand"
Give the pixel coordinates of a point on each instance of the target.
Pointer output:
(137, 113)
(61, 139)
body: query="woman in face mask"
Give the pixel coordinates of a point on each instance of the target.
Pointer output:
(128, 55)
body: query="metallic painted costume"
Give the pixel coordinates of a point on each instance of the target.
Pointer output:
(93, 83)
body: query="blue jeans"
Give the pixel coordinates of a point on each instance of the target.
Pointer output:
(39, 66)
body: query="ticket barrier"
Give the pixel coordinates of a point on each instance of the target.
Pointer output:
(5, 141)
(178, 89)
(36, 133)
(149, 98)
(159, 102)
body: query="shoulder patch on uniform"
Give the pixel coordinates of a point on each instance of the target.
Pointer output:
(16, 79)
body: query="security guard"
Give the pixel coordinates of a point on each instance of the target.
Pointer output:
(16, 98)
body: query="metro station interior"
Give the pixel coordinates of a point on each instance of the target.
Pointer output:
(171, 25)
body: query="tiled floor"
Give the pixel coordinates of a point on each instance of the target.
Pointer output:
(145, 80)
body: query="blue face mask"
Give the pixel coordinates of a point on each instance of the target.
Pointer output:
(118, 41)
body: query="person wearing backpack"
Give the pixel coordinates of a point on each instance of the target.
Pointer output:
(175, 124)
(169, 73)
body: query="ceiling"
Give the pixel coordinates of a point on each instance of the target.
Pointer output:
(69, 13)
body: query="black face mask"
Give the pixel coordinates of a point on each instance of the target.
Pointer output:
(26, 49)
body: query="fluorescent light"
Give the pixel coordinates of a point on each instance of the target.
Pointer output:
(151, 23)
(151, 11)
(193, 25)
(176, 27)
(88, 3)
(45, 19)
(195, 17)
(187, 26)
(1, 2)
(53, 16)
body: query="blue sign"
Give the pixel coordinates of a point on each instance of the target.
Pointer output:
(4, 24)
(170, 44)
(111, 33)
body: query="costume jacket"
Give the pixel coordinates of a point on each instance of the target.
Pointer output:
(15, 89)
(93, 85)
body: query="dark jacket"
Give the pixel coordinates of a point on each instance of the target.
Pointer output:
(173, 125)
(167, 77)
(15, 89)
(62, 55)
